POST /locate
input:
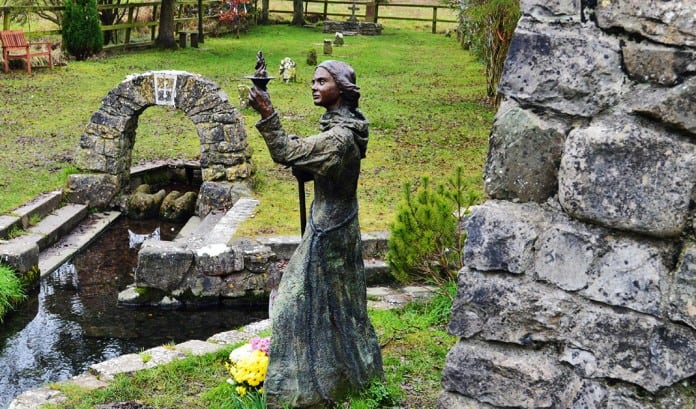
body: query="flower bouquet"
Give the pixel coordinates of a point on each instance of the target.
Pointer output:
(247, 365)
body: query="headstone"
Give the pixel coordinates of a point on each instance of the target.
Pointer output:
(327, 47)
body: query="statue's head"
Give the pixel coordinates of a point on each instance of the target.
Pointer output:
(344, 75)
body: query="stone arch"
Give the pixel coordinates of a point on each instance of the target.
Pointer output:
(108, 140)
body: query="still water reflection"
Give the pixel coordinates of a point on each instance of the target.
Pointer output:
(72, 321)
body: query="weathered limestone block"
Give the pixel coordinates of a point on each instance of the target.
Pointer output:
(243, 171)
(566, 254)
(162, 265)
(675, 106)
(501, 236)
(226, 159)
(219, 196)
(21, 253)
(449, 400)
(212, 173)
(90, 158)
(666, 22)
(508, 376)
(99, 131)
(138, 88)
(657, 64)
(623, 271)
(552, 11)
(257, 257)
(628, 175)
(239, 285)
(218, 260)
(114, 104)
(178, 206)
(682, 297)
(573, 70)
(510, 309)
(633, 273)
(211, 133)
(647, 353)
(118, 121)
(513, 309)
(144, 205)
(524, 152)
(244, 285)
(94, 190)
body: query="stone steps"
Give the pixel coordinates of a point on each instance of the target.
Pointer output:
(39, 207)
(22, 253)
(56, 255)
(60, 222)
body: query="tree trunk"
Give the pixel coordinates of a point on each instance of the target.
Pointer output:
(297, 13)
(165, 37)
(265, 5)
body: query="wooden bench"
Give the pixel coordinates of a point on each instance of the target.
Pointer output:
(16, 47)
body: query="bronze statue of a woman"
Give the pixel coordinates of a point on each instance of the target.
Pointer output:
(323, 344)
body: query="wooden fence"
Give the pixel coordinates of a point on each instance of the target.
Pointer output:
(370, 11)
(187, 12)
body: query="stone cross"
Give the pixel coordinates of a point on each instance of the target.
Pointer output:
(353, 8)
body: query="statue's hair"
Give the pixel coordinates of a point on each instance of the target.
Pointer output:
(344, 75)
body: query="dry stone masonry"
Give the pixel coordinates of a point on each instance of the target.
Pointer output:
(108, 139)
(579, 289)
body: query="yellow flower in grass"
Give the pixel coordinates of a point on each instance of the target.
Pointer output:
(241, 390)
(248, 366)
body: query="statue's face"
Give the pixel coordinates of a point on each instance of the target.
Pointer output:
(325, 91)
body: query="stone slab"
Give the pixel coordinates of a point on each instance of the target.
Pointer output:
(41, 206)
(160, 355)
(34, 398)
(58, 223)
(197, 237)
(189, 228)
(7, 223)
(198, 347)
(374, 244)
(21, 253)
(241, 335)
(54, 256)
(107, 370)
(87, 381)
(227, 226)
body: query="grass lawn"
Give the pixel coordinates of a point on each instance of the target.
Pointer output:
(424, 96)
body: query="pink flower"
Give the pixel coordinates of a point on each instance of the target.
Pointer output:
(260, 344)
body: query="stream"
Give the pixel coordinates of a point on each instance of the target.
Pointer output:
(73, 321)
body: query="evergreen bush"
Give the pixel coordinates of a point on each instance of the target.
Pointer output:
(486, 28)
(82, 35)
(426, 239)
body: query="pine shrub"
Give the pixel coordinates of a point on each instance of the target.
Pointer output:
(82, 35)
(426, 239)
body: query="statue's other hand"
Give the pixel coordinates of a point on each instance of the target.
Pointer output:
(261, 102)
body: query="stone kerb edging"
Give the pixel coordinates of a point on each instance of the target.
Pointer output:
(107, 142)
(99, 375)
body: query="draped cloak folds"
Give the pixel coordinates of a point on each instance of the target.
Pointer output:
(323, 344)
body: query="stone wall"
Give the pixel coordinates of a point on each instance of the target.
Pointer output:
(352, 27)
(107, 142)
(580, 283)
